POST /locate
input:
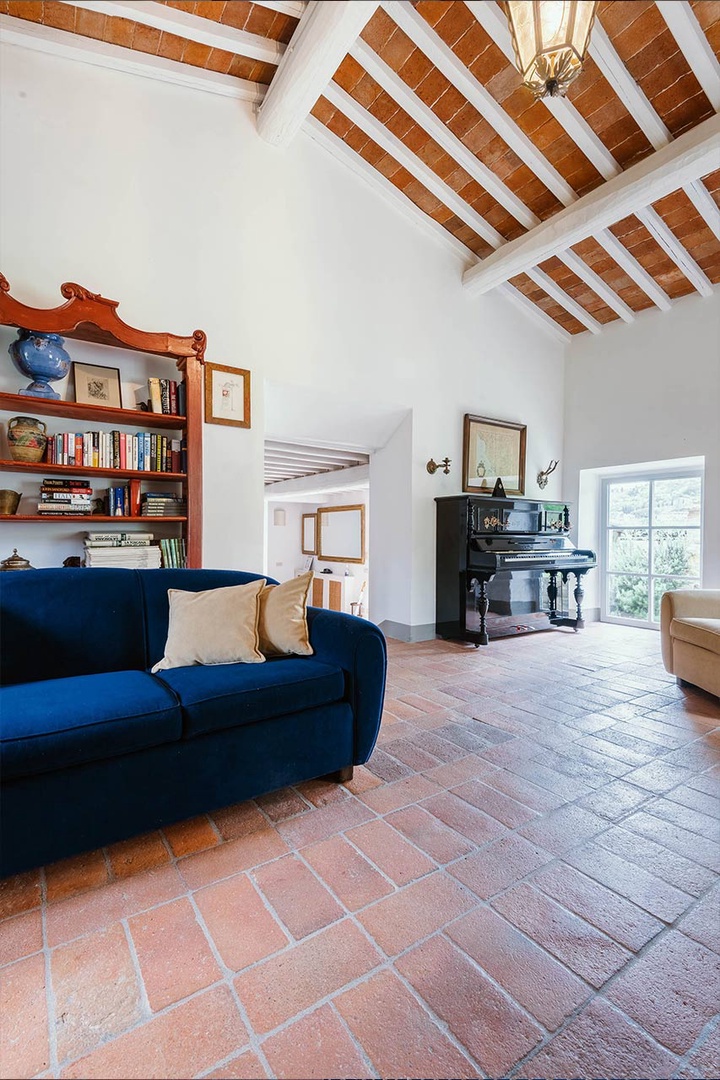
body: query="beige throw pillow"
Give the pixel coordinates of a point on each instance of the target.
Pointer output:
(217, 626)
(283, 625)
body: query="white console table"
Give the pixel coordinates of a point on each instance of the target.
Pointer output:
(335, 591)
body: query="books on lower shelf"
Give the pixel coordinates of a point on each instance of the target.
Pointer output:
(145, 451)
(173, 553)
(134, 557)
(58, 497)
(162, 504)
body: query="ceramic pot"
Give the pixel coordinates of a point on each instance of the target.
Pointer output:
(42, 358)
(27, 438)
(9, 501)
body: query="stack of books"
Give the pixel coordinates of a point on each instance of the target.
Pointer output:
(162, 504)
(59, 496)
(161, 396)
(173, 553)
(134, 551)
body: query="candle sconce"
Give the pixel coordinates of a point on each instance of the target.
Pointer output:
(433, 466)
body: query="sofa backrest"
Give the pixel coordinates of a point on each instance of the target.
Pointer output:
(73, 621)
(69, 621)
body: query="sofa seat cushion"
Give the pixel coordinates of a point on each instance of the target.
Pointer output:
(227, 695)
(705, 633)
(60, 722)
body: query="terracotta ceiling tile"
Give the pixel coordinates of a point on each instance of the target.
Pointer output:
(378, 30)
(356, 139)
(322, 110)
(339, 124)
(383, 107)
(504, 222)
(433, 86)
(90, 24)
(431, 153)
(388, 166)
(688, 114)
(171, 46)
(235, 14)
(399, 123)
(478, 137)
(402, 178)
(398, 50)
(449, 104)
(463, 120)
(433, 10)
(420, 195)
(631, 150)
(415, 139)
(533, 292)
(195, 53)
(146, 39)
(61, 16)
(456, 22)
(707, 12)
(442, 214)
(415, 69)
(349, 74)
(372, 153)
(366, 91)
(210, 9)
(504, 83)
(219, 60)
(260, 21)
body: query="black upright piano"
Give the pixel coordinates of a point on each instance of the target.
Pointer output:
(502, 567)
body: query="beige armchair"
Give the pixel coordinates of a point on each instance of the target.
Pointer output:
(690, 635)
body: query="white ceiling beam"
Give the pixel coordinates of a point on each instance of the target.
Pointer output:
(399, 91)
(70, 46)
(633, 268)
(694, 154)
(694, 46)
(705, 205)
(284, 7)
(603, 52)
(399, 201)
(319, 45)
(301, 450)
(192, 27)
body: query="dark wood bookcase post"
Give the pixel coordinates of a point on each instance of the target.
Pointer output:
(90, 317)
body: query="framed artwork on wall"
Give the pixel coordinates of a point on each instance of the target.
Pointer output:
(95, 385)
(493, 450)
(308, 538)
(227, 395)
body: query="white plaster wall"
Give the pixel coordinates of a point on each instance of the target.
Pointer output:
(166, 199)
(643, 393)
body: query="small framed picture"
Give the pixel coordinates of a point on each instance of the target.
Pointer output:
(227, 395)
(308, 539)
(96, 385)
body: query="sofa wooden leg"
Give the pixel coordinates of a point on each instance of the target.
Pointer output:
(340, 776)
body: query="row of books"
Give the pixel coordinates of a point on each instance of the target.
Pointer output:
(58, 496)
(145, 452)
(162, 396)
(173, 553)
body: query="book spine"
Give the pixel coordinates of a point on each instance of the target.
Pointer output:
(134, 497)
(175, 455)
(183, 454)
(79, 447)
(155, 398)
(146, 451)
(165, 395)
(173, 397)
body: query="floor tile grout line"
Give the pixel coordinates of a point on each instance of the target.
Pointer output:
(50, 1002)
(372, 1072)
(144, 997)
(700, 1041)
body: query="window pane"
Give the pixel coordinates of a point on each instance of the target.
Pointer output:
(629, 504)
(628, 550)
(628, 597)
(663, 585)
(676, 551)
(677, 501)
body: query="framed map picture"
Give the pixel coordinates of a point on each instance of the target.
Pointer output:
(227, 395)
(492, 450)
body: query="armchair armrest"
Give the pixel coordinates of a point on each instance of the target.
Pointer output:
(358, 647)
(685, 604)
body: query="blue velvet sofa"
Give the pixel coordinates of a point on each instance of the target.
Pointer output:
(95, 749)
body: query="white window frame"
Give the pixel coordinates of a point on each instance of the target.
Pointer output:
(642, 476)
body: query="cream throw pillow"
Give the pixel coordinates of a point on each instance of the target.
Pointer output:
(283, 625)
(217, 626)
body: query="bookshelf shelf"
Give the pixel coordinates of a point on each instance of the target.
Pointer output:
(88, 517)
(42, 467)
(87, 316)
(101, 414)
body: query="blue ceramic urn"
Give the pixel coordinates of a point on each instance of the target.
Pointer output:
(42, 358)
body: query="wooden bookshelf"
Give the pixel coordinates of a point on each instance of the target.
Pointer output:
(90, 317)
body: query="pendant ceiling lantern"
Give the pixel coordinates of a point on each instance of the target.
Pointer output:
(550, 39)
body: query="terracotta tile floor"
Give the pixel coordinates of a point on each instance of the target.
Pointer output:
(522, 883)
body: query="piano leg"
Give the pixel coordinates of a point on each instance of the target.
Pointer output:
(552, 594)
(482, 605)
(579, 595)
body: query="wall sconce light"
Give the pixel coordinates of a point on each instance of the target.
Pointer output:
(433, 466)
(278, 516)
(542, 476)
(550, 39)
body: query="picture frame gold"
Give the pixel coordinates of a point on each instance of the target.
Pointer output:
(227, 395)
(492, 450)
(308, 534)
(347, 542)
(97, 385)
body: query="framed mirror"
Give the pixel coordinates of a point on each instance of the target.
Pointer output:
(309, 534)
(341, 533)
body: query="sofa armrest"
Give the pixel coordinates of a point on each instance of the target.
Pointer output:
(684, 604)
(358, 647)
